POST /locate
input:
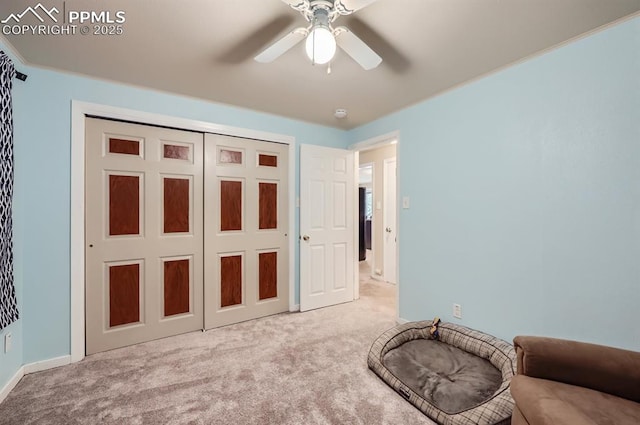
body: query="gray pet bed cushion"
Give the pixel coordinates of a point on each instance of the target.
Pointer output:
(462, 379)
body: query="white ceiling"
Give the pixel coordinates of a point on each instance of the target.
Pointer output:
(205, 49)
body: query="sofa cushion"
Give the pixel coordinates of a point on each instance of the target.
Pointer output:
(549, 402)
(517, 418)
(611, 370)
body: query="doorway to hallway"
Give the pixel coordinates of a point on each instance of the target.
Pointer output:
(377, 176)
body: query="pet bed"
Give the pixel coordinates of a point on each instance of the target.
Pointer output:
(462, 378)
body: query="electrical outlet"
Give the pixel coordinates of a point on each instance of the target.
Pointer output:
(457, 311)
(7, 342)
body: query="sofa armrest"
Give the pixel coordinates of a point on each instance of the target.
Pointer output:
(607, 369)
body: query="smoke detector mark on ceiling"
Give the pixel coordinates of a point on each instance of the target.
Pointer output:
(340, 113)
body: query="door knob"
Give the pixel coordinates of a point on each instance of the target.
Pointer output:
(305, 238)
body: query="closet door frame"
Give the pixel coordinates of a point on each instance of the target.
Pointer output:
(79, 112)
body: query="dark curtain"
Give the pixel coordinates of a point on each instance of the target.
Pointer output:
(8, 303)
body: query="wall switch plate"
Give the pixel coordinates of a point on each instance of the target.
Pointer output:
(457, 311)
(378, 205)
(405, 202)
(7, 342)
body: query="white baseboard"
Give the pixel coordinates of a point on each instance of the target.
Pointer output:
(401, 321)
(47, 364)
(4, 392)
(294, 308)
(32, 368)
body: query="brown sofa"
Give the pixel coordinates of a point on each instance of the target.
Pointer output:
(574, 383)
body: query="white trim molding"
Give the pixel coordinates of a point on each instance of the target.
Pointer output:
(32, 368)
(79, 111)
(47, 364)
(376, 142)
(356, 226)
(9, 386)
(293, 238)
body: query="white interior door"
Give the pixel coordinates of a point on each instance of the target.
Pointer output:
(143, 233)
(327, 245)
(389, 220)
(246, 206)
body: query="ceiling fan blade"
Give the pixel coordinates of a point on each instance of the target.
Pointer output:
(394, 59)
(278, 48)
(346, 7)
(254, 42)
(356, 48)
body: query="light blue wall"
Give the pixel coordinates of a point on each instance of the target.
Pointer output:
(42, 127)
(525, 196)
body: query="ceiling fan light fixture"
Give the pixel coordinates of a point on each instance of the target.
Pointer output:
(321, 38)
(320, 45)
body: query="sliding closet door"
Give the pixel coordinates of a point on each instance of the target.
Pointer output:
(246, 224)
(144, 233)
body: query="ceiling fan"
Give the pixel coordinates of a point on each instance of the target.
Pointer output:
(321, 37)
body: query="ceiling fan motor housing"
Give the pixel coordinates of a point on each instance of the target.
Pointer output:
(325, 4)
(320, 18)
(321, 12)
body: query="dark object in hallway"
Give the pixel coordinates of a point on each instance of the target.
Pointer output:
(363, 251)
(367, 233)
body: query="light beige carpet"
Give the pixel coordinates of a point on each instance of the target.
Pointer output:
(301, 368)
